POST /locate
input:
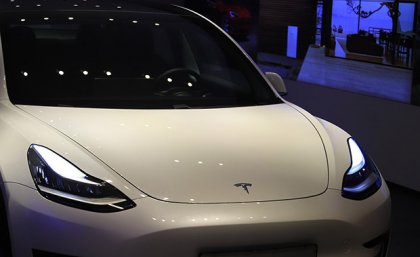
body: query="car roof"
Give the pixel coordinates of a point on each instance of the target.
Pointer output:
(23, 6)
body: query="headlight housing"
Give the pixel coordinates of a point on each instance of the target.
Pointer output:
(59, 180)
(362, 179)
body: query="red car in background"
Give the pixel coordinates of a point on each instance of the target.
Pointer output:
(235, 18)
(232, 16)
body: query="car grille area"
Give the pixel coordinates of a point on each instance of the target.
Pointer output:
(39, 253)
(301, 251)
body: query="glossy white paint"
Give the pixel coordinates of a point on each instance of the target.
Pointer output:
(335, 140)
(178, 155)
(19, 130)
(336, 225)
(155, 228)
(191, 156)
(3, 89)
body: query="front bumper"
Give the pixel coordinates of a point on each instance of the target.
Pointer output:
(336, 226)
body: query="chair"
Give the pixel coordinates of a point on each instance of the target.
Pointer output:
(405, 49)
(364, 44)
(383, 38)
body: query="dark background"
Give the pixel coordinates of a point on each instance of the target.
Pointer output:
(276, 16)
(416, 77)
(249, 41)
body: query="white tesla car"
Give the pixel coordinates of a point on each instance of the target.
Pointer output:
(145, 131)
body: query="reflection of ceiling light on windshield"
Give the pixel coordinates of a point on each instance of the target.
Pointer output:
(85, 72)
(119, 7)
(61, 73)
(111, 19)
(169, 80)
(135, 21)
(108, 73)
(147, 76)
(38, 5)
(190, 84)
(71, 18)
(24, 73)
(22, 20)
(46, 18)
(157, 24)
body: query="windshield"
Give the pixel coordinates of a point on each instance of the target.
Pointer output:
(126, 60)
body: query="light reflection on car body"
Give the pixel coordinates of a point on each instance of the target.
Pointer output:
(161, 137)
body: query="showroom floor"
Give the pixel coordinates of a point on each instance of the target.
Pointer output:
(354, 76)
(405, 231)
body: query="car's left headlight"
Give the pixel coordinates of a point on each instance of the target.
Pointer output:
(59, 180)
(362, 179)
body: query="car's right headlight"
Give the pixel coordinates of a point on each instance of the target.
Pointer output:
(59, 180)
(362, 179)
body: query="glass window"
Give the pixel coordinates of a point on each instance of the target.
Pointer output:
(407, 15)
(344, 20)
(136, 60)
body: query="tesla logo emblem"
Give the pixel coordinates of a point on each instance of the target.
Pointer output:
(244, 186)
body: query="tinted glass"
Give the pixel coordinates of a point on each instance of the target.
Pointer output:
(134, 60)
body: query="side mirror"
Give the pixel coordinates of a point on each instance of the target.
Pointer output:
(277, 82)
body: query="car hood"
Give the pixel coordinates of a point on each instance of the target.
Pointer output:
(202, 155)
